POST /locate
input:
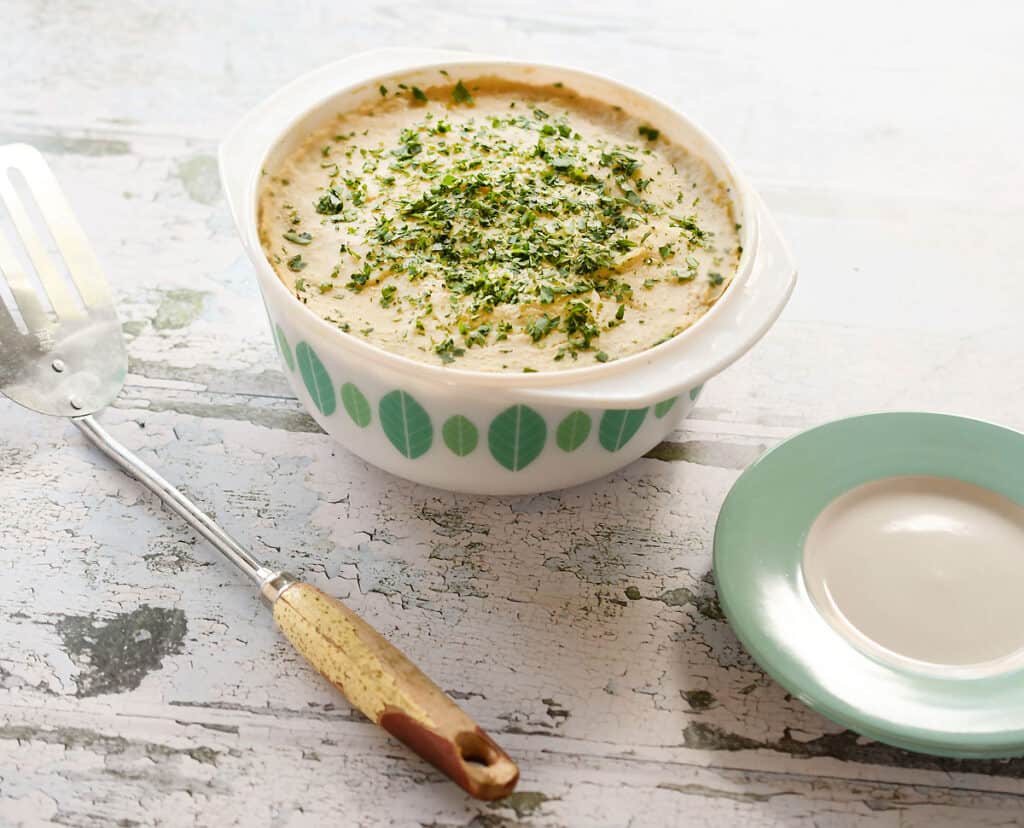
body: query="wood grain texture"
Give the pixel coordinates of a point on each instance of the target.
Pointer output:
(140, 680)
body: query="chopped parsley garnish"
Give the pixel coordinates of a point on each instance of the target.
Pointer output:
(330, 203)
(695, 235)
(541, 326)
(513, 209)
(461, 95)
(359, 279)
(447, 351)
(580, 324)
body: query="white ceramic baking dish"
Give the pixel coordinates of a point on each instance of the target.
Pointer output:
(483, 432)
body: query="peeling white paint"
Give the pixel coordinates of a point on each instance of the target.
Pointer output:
(578, 627)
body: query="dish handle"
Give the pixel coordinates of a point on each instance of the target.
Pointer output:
(717, 341)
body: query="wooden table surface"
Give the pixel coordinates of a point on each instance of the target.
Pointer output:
(142, 683)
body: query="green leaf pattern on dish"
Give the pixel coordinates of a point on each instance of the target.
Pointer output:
(317, 381)
(618, 427)
(662, 408)
(460, 435)
(284, 348)
(355, 404)
(573, 431)
(406, 424)
(695, 391)
(517, 436)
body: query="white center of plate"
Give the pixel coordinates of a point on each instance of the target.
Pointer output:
(926, 572)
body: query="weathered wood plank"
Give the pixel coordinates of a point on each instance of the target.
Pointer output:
(141, 681)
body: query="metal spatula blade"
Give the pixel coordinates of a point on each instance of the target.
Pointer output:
(61, 353)
(66, 357)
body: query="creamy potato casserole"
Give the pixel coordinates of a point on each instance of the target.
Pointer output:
(498, 226)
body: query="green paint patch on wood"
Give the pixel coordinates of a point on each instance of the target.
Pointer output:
(697, 699)
(102, 744)
(179, 309)
(524, 803)
(61, 144)
(706, 604)
(114, 655)
(282, 420)
(133, 327)
(707, 453)
(846, 746)
(200, 178)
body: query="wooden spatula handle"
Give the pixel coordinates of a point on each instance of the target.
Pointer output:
(391, 691)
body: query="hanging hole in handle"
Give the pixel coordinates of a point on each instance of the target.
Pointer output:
(475, 750)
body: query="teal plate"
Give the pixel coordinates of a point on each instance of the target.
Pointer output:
(759, 544)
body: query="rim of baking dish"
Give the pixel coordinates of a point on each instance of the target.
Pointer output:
(740, 194)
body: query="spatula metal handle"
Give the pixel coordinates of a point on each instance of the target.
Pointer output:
(173, 499)
(373, 675)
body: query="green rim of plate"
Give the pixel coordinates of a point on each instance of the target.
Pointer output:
(758, 549)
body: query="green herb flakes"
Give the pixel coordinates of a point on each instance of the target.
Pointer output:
(298, 238)
(523, 228)
(461, 95)
(541, 326)
(448, 352)
(330, 203)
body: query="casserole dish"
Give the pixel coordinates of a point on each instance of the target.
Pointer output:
(487, 432)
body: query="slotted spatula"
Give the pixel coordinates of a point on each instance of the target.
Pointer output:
(61, 353)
